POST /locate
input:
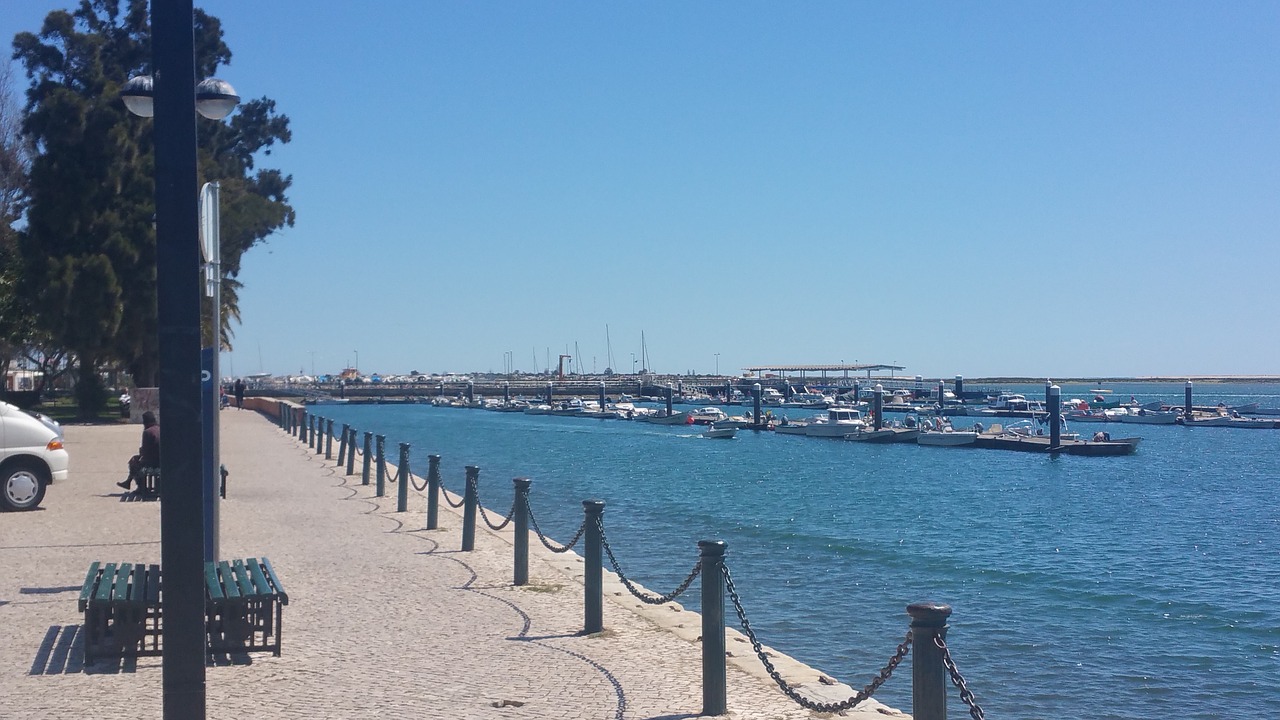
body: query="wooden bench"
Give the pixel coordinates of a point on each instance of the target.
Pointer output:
(121, 603)
(244, 604)
(121, 606)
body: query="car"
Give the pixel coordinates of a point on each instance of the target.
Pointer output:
(31, 457)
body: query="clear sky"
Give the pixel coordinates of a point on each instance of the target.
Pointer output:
(991, 188)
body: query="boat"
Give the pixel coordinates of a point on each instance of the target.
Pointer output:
(838, 423)
(1097, 416)
(1142, 416)
(537, 409)
(809, 400)
(736, 421)
(1205, 420)
(568, 408)
(791, 428)
(662, 418)
(940, 433)
(869, 434)
(998, 438)
(771, 397)
(720, 433)
(708, 416)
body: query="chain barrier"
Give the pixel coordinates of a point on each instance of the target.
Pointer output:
(548, 544)
(449, 502)
(966, 697)
(485, 516)
(415, 484)
(640, 594)
(903, 648)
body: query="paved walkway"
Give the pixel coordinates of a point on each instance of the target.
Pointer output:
(386, 619)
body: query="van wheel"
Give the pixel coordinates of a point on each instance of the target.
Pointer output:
(22, 485)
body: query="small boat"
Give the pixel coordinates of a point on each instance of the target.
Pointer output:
(1206, 420)
(720, 433)
(838, 423)
(708, 416)
(868, 434)
(662, 418)
(736, 421)
(791, 428)
(940, 433)
(1142, 416)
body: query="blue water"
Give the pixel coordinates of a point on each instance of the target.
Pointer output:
(1145, 586)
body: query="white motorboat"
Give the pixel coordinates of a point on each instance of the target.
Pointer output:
(871, 435)
(947, 438)
(1142, 416)
(792, 428)
(838, 423)
(538, 409)
(720, 433)
(736, 421)
(809, 400)
(1207, 420)
(771, 397)
(662, 418)
(708, 416)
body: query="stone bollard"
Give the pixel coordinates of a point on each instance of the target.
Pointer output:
(593, 568)
(714, 676)
(433, 491)
(342, 445)
(469, 502)
(928, 674)
(328, 439)
(380, 487)
(402, 492)
(521, 520)
(368, 457)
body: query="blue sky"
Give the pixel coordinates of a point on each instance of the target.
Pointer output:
(1040, 189)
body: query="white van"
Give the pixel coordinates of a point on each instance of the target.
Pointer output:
(31, 457)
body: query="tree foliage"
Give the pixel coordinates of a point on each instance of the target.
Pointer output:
(88, 249)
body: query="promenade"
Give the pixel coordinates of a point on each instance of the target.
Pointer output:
(386, 619)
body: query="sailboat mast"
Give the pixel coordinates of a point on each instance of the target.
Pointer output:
(608, 346)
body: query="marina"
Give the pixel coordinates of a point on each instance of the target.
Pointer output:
(1059, 567)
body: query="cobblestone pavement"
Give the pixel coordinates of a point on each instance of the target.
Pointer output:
(386, 619)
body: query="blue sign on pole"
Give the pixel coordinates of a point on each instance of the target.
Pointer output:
(209, 476)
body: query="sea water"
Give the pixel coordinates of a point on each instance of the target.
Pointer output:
(1145, 586)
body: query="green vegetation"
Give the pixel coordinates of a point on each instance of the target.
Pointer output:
(81, 273)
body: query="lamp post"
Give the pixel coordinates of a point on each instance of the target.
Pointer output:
(717, 364)
(172, 98)
(357, 352)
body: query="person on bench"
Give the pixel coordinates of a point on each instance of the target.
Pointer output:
(148, 455)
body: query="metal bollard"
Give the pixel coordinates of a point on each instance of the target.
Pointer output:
(342, 445)
(317, 435)
(328, 439)
(280, 414)
(433, 491)
(470, 501)
(300, 427)
(311, 431)
(351, 452)
(381, 484)
(714, 678)
(521, 520)
(593, 569)
(368, 456)
(928, 674)
(402, 492)
(222, 486)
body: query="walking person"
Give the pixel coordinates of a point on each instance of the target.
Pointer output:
(239, 393)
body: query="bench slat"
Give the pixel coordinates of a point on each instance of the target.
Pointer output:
(153, 585)
(227, 581)
(211, 584)
(105, 583)
(242, 578)
(123, 574)
(260, 584)
(90, 578)
(275, 581)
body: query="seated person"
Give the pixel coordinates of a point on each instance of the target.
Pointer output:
(148, 454)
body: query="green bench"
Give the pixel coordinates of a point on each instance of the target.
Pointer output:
(121, 606)
(121, 603)
(244, 601)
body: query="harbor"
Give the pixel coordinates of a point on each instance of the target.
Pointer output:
(1157, 547)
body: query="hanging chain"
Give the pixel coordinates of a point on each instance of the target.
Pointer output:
(547, 543)
(415, 484)
(966, 697)
(903, 648)
(505, 521)
(449, 502)
(643, 596)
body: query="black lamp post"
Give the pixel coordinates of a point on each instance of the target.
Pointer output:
(178, 290)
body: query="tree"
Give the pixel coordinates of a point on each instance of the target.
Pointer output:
(15, 160)
(89, 245)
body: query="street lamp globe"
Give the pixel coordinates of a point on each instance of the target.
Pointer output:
(215, 99)
(138, 94)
